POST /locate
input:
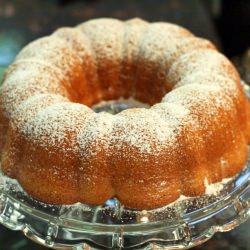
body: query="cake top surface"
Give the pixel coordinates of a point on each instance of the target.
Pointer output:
(45, 67)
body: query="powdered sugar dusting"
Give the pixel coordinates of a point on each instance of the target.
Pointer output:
(203, 78)
(95, 134)
(31, 106)
(153, 41)
(133, 30)
(77, 41)
(193, 61)
(145, 130)
(135, 128)
(173, 114)
(37, 88)
(106, 36)
(60, 122)
(215, 188)
(200, 97)
(55, 50)
(95, 29)
(21, 83)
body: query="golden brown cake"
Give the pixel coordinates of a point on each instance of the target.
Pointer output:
(195, 132)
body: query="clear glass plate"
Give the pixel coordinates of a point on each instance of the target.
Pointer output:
(184, 224)
(181, 225)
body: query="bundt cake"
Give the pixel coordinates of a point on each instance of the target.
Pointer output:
(196, 130)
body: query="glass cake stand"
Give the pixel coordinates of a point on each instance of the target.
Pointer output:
(181, 225)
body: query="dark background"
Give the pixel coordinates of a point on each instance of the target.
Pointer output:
(225, 22)
(233, 25)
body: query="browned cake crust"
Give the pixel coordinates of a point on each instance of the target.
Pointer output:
(195, 132)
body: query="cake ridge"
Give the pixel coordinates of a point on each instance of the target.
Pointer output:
(137, 27)
(109, 30)
(213, 59)
(195, 132)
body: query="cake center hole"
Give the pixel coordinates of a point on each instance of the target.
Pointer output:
(116, 106)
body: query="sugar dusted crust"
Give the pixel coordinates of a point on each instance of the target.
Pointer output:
(194, 134)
